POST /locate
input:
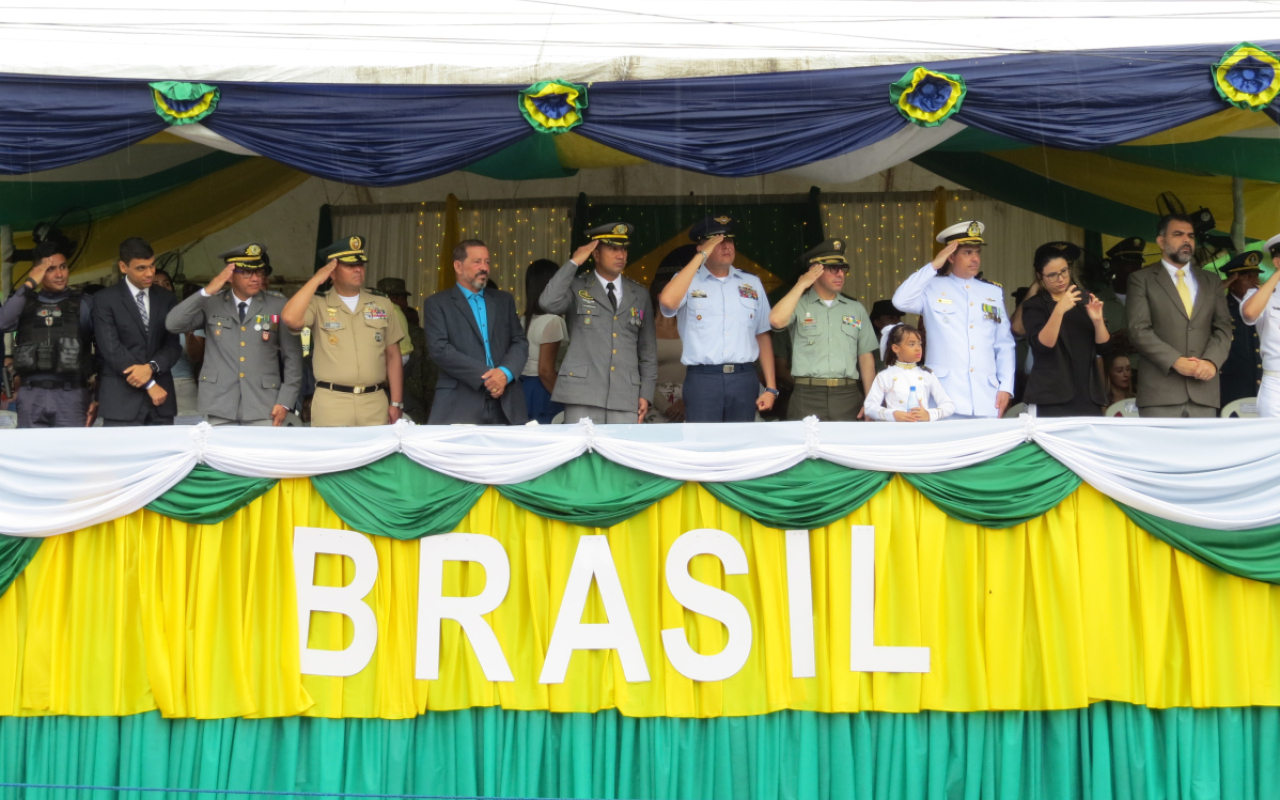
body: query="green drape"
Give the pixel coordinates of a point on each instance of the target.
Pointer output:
(1250, 554)
(590, 490)
(15, 553)
(1109, 750)
(397, 497)
(809, 495)
(207, 496)
(1008, 490)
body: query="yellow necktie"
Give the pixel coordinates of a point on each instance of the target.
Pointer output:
(1184, 291)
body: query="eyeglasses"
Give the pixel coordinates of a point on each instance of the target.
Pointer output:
(1053, 276)
(249, 270)
(843, 269)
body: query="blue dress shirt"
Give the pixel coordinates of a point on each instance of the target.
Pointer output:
(476, 301)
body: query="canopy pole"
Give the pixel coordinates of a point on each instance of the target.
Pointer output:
(6, 260)
(1237, 212)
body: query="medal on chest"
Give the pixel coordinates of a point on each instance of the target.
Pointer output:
(747, 290)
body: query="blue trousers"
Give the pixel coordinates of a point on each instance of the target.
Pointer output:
(713, 395)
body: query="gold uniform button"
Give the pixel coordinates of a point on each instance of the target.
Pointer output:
(241, 374)
(615, 336)
(615, 319)
(699, 316)
(242, 358)
(611, 369)
(970, 347)
(243, 329)
(242, 343)
(615, 352)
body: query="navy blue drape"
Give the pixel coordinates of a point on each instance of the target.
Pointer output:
(381, 135)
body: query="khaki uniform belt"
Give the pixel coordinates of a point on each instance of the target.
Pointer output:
(828, 382)
(1270, 373)
(334, 387)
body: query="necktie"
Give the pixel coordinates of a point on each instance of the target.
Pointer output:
(242, 308)
(613, 298)
(141, 297)
(1184, 292)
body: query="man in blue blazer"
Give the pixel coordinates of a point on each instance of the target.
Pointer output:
(475, 337)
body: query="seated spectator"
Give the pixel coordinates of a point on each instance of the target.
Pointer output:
(546, 333)
(1119, 379)
(1066, 335)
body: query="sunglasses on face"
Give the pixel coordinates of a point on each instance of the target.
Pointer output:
(249, 270)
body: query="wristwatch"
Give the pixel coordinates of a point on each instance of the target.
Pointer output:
(400, 406)
(773, 392)
(155, 368)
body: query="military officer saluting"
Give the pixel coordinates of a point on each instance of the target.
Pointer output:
(611, 369)
(355, 342)
(832, 343)
(723, 317)
(1241, 374)
(241, 381)
(970, 346)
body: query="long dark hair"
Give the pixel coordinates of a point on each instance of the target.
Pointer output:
(896, 336)
(536, 277)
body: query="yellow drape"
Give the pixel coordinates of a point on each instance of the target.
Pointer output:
(1076, 606)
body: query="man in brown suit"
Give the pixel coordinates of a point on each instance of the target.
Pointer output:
(1178, 320)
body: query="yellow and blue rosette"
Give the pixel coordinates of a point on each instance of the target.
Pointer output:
(180, 103)
(928, 98)
(553, 106)
(1247, 77)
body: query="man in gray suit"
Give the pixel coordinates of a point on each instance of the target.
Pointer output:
(611, 369)
(1179, 321)
(241, 382)
(475, 337)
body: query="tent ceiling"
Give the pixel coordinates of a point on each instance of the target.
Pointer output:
(521, 41)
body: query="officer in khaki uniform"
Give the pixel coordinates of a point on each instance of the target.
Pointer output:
(241, 381)
(355, 342)
(611, 369)
(832, 342)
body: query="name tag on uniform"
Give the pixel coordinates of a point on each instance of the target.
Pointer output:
(331, 326)
(944, 301)
(697, 293)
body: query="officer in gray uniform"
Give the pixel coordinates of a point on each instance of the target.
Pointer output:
(611, 369)
(53, 350)
(252, 367)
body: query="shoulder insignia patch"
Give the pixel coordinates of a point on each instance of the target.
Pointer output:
(374, 292)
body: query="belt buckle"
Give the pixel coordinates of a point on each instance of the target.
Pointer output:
(729, 367)
(833, 383)
(357, 390)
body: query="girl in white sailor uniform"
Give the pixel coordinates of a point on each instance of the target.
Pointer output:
(904, 391)
(1261, 308)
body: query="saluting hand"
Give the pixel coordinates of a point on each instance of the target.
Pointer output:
(810, 277)
(944, 254)
(220, 280)
(711, 244)
(37, 272)
(324, 273)
(581, 255)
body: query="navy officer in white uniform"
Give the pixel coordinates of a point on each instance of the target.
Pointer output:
(969, 346)
(723, 316)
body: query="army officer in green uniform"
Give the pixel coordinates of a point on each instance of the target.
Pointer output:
(355, 342)
(252, 368)
(832, 343)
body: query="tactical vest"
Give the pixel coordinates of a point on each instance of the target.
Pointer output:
(49, 340)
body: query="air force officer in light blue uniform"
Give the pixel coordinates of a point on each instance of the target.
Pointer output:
(969, 345)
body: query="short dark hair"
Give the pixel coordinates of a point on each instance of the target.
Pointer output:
(49, 247)
(536, 277)
(134, 248)
(1163, 224)
(164, 272)
(460, 249)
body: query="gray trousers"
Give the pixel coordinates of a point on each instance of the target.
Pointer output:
(52, 408)
(1187, 409)
(599, 416)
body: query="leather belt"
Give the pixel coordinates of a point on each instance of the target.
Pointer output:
(828, 382)
(725, 368)
(65, 386)
(335, 387)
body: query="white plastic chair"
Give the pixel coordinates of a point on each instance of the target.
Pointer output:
(1244, 408)
(8, 420)
(1123, 408)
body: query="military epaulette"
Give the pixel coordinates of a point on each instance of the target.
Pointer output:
(274, 293)
(993, 283)
(375, 292)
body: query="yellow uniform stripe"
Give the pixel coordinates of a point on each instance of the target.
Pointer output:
(1072, 607)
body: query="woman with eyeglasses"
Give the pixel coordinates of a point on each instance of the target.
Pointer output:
(1067, 335)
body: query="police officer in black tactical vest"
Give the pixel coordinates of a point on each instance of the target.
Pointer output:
(53, 349)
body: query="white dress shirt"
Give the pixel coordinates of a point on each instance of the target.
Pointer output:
(146, 296)
(617, 286)
(1190, 279)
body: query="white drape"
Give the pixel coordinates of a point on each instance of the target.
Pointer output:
(1211, 473)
